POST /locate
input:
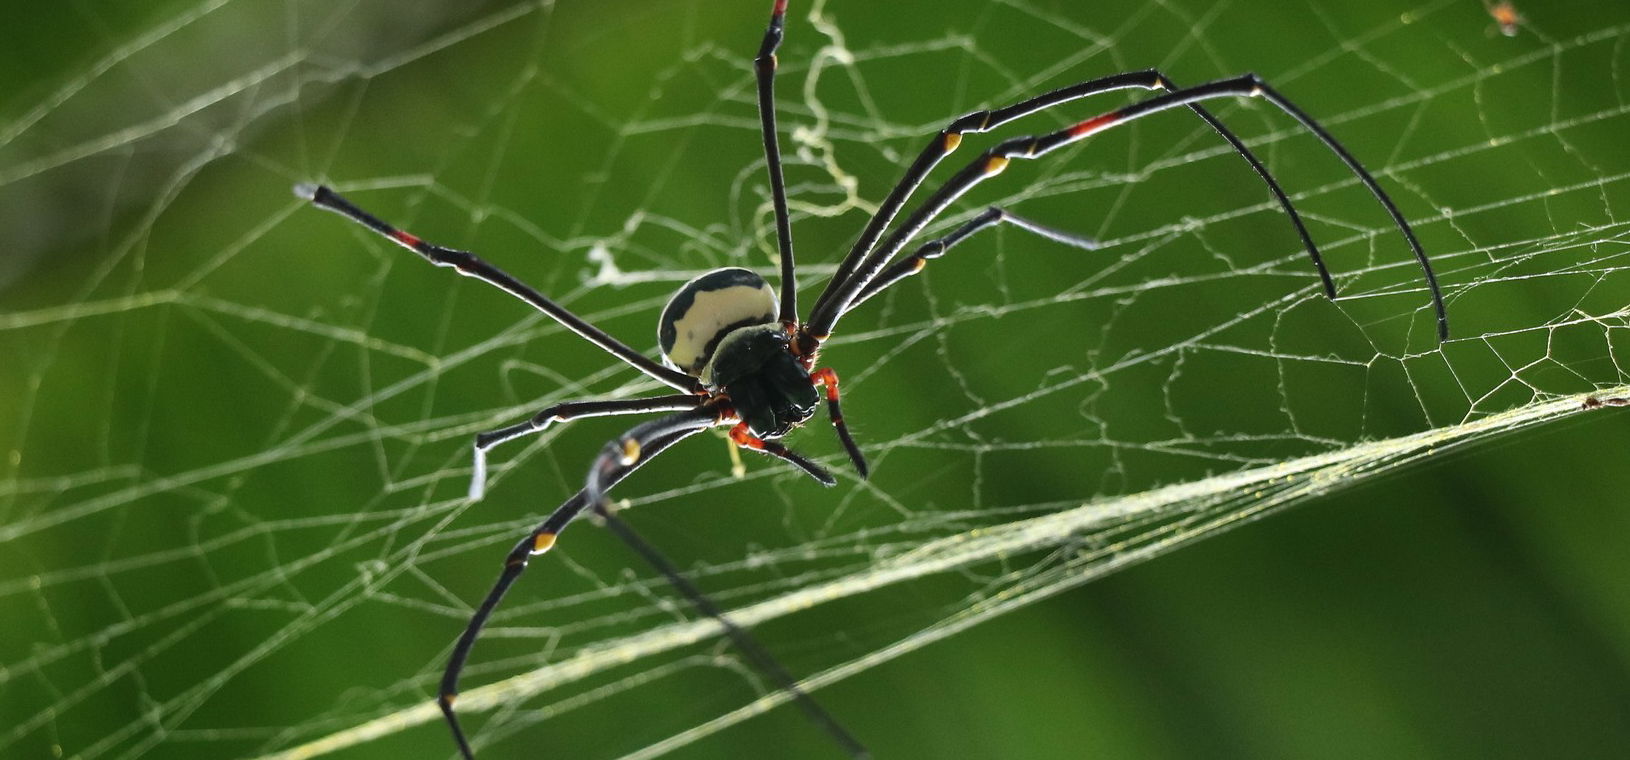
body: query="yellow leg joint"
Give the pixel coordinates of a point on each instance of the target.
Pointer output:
(542, 542)
(631, 451)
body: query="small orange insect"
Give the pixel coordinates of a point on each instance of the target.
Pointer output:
(1506, 17)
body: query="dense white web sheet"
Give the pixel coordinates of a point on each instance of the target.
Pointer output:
(236, 431)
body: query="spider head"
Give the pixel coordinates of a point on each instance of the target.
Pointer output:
(769, 388)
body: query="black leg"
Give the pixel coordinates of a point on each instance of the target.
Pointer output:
(470, 265)
(652, 439)
(996, 159)
(764, 67)
(761, 657)
(829, 378)
(630, 449)
(1273, 187)
(745, 439)
(826, 312)
(563, 412)
(934, 249)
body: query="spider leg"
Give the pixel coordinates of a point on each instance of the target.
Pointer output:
(764, 68)
(831, 304)
(1273, 187)
(936, 248)
(996, 159)
(761, 657)
(829, 378)
(652, 439)
(564, 412)
(747, 440)
(630, 449)
(470, 265)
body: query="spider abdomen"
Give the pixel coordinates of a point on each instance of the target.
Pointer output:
(706, 309)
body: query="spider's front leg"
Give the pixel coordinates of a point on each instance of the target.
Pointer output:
(936, 248)
(844, 286)
(764, 69)
(996, 159)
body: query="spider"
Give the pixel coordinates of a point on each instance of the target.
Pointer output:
(737, 353)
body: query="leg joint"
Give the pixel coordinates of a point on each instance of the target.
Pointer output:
(548, 415)
(978, 121)
(463, 261)
(742, 437)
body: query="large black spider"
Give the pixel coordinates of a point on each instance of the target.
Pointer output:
(739, 356)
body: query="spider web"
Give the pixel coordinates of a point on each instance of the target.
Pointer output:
(236, 429)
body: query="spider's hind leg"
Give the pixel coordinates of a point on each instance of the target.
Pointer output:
(655, 438)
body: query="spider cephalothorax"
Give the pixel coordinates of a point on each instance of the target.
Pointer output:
(738, 355)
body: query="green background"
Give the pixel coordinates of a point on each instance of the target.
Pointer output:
(225, 548)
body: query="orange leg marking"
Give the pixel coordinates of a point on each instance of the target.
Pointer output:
(745, 439)
(825, 376)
